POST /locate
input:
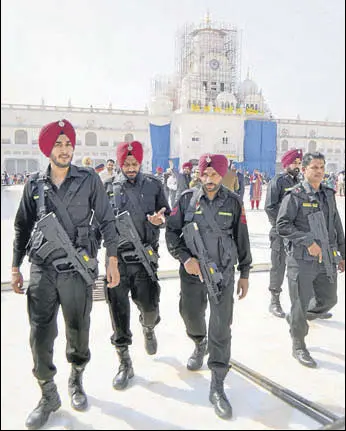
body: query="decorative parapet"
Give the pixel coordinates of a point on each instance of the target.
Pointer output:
(230, 110)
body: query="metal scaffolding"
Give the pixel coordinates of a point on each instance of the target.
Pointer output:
(207, 62)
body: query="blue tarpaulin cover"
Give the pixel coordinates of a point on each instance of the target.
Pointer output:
(260, 146)
(160, 144)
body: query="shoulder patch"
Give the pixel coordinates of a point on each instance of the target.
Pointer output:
(298, 188)
(243, 216)
(174, 211)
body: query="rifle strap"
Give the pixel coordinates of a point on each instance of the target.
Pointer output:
(209, 217)
(331, 209)
(136, 203)
(40, 205)
(190, 212)
(61, 205)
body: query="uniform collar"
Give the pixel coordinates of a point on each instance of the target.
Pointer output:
(72, 172)
(138, 180)
(220, 195)
(309, 189)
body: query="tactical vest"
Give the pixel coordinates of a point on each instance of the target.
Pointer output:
(87, 237)
(226, 252)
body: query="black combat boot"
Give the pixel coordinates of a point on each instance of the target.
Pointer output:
(195, 361)
(301, 353)
(50, 402)
(312, 316)
(217, 394)
(125, 371)
(275, 306)
(150, 341)
(79, 400)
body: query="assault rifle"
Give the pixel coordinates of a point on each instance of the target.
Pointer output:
(56, 238)
(211, 276)
(143, 254)
(330, 256)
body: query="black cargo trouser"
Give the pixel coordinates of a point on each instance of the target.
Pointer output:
(48, 290)
(145, 294)
(278, 262)
(192, 306)
(310, 290)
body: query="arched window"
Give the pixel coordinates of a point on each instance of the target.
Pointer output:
(91, 139)
(196, 137)
(312, 146)
(284, 145)
(129, 137)
(21, 137)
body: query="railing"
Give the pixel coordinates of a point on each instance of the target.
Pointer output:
(73, 109)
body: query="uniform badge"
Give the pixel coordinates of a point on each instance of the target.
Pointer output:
(130, 147)
(61, 124)
(208, 159)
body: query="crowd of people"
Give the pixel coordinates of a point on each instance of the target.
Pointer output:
(13, 179)
(175, 182)
(205, 227)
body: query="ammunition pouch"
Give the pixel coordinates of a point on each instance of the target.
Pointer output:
(39, 250)
(152, 233)
(89, 238)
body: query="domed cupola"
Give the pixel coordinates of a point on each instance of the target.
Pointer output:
(225, 98)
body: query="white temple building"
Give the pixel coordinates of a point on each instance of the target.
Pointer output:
(203, 106)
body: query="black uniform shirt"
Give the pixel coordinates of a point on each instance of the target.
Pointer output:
(276, 190)
(321, 198)
(89, 196)
(292, 221)
(149, 193)
(230, 217)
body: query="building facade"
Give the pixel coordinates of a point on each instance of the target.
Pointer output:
(203, 107)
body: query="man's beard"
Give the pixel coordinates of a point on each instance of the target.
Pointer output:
(214, 189)
(294, 172)
(132, 178)
(61, 165)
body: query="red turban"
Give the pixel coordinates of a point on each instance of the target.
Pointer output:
(159, 169)
(49, 134)
(187, 165)
(125, 149)
(217, 161)
(290, 156)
